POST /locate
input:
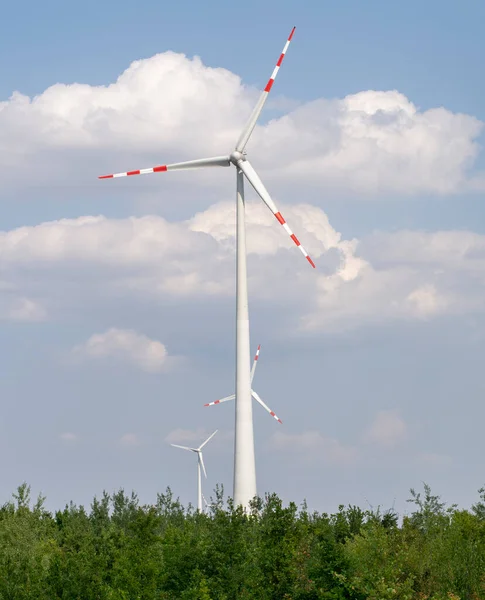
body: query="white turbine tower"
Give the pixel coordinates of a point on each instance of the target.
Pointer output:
(244, 463)
(200, 464)
(253, 393)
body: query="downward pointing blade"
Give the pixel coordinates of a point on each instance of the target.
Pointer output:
(262, 192)
(255, 362)
(248, 129)
(216, 161)
(201, 459)
(258, 399)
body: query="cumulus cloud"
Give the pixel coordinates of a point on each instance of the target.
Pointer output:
(387, 430)
(315, 447)
(188, 257)
(129, 439)
(428, 249)
(68, 436)
(197, 436)
(127, 346)
(175, 107)
(405, 275)
(435, 459)
(166, 93)
(376, 142)
(21, 309)
(426, 301)
(373, 297)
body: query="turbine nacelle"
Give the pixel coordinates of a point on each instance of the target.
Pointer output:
(236, 157)
(253, 393)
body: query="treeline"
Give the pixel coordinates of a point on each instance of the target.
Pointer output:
(121, 550)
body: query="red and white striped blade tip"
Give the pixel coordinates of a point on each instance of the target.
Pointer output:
(158, 169)
(212, 403)
(269, 85)
(282, 222)
(275, 417)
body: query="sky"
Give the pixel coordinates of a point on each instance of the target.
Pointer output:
(117, 297)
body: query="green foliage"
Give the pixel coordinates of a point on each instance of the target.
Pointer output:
(121, 550)
(479, 507)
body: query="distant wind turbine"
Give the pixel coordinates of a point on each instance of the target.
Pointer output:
(253, 393)
(208, 505)
(200, 463)
(244, 461)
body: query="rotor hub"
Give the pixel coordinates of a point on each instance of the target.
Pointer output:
(237, 156)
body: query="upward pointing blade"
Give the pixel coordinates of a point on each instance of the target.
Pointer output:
(209, 438)
(248, 129)
(255, 362)
(262, 192)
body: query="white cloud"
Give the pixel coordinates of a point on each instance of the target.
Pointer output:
(145, 241)
(13, 308)
(435, 459)
(427, 249)
(377, 142)
(167, 90)
(129, 439)
(128, 346)
(182, 258)
(197, 436)
(174, 107)
(68, 436)
(426, 301)
(406, 275)
(25, 309)
(315, 446)
(387, 430)
(373, 296)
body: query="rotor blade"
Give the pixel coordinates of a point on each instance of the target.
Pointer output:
(258, 399)
(248, 129)
(255, 362)
(221, 400)
(184, 447)
(216, 161)
(258, 186)
(201, 458)
(209, 438)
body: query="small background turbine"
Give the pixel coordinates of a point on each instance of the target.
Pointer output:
(200, 465)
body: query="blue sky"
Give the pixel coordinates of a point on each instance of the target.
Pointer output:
(430, 51)
(373, 365)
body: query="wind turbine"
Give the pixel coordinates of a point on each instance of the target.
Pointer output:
(200, 463)
(207, 505)
(253, 393)
(244, 462)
